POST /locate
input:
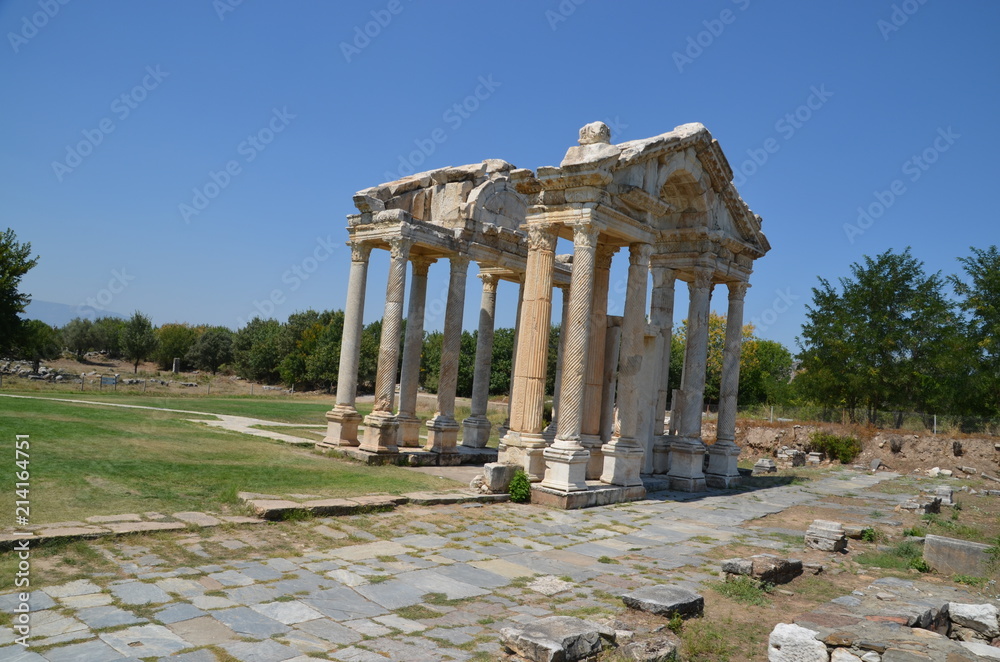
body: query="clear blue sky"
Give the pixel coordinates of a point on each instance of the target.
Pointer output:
(111, 230)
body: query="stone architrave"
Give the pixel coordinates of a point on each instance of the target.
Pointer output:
(343, 419)
(724, 453)
(442, 428)
(593, 390)
(476, 428)
(566, 459)
(624, 453)
(687, 452)
(409, 379)
(524, 443)
(661, 314)
(380, 425)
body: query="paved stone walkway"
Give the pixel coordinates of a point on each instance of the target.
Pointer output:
(363, 598)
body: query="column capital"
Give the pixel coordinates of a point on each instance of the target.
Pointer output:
(738, 290)
(541, 237)
(490, 282)
(585, 234)
(360, 251)
(421, 263)
(604, 254)
(702, 279)
(399, 247)
(459, 263)
(638, 254)
(663, 276)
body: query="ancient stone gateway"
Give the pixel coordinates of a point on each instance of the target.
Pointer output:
(670, 201)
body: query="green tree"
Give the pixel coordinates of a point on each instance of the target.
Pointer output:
(212, 349)
(979, 299)
(879, 341)
(371, 337)
(258, 350)
(15, 261)
(502, 361)
(38, 341)
(430, 361)
(175, 340)
(323, 362)
(107, 335)
(78, 335)
(138, 340)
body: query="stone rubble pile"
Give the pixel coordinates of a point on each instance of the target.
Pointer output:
(763, 567)
(826, 536)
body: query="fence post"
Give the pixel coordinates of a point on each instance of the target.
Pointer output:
(251, 388)
(144, 385)
(935, 423)
(210, 387)
(83, 381)
(772, 414)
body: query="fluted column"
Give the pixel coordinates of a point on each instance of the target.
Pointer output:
(343, 419)
(661, 314)
(724, 453)
(590, 430)
(623, 454)
(566, 459)
(513, 360)
(381, 425)
(409, 379)
(560, 351)
(442, 429)
(523, 442)
(687, 452)
(476, 428)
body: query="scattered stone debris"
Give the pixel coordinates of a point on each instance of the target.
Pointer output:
(664, 600)
(826, 536)
(763, 567)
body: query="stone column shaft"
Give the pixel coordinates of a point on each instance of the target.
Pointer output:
(342, 421)
(560, 352)
(477, 426)
(409, 379)
(594, 377)
(533, 334)
(695, 355)
(623, 455)
(442, 429)
(566, 459)
(661, 314)
(381, 425)
(513, 359)
(730, 385)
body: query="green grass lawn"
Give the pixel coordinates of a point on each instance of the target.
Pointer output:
(269, 408)
(89, 460)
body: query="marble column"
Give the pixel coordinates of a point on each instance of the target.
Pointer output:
(661, 314)
(442, 429)
(687, 452)
(724, 453)
(523, 443)
(476, 428)
(560, 350)
(380, 426)
(513, 361)
(593, 393)
(566, 459)
(343, 419)
(409, 379)
(623, 454)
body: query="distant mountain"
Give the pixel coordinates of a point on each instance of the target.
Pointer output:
(59, 314)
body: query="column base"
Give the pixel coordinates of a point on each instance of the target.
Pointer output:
(622, 462)
(661, 454)
(524, 449)
(565, 469)
(687, 459)
(381, 430)
(409, 431)
(476, 431)
(595, 466)
(442, 435)
(723, 472)
(341, 427)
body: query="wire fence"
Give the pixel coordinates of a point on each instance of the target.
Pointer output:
(891, 420)
(107, 383)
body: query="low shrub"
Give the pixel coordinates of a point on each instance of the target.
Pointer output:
(520, 487)
(841, 448)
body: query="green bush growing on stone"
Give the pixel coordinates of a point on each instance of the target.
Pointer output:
(520, 487)
(844, 449)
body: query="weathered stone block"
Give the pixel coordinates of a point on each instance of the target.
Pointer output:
(921, 505)
(826, 536)
(558, 639)
(949, 556)
(497, 476)
(764, 567)
(793, 643)
(764, 466)
(665, 600)
(661, 650)
(982, 618)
